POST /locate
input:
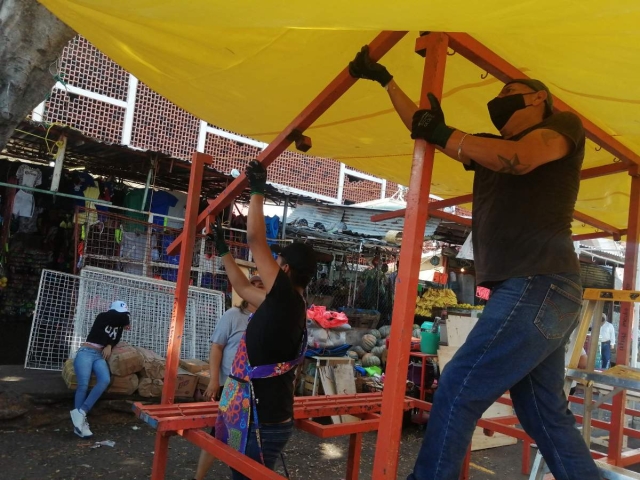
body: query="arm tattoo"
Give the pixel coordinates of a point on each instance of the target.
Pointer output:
(512, 165)
(548, 136)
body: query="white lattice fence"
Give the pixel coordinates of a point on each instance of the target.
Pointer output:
(150, 302)
(52, 328)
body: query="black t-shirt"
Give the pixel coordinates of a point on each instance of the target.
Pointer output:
(274, 335)
(108, 327)
(522, 223)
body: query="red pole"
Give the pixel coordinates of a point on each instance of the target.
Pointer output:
(198, 161)
(626, 315)
(385, 464)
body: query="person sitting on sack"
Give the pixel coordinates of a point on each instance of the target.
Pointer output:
(92, 358)
(256, 405)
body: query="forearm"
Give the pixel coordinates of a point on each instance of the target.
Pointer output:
(503, 156)
(215, 360)
(238, 280)
(404, 106)
(256, 228)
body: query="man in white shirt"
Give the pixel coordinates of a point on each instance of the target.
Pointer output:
(607, 341)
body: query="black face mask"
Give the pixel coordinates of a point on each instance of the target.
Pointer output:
(501, 109)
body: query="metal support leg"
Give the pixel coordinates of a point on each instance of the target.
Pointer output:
(160, 452)
(353, 462)
(466, 466)
(526, 457)
(385, 464)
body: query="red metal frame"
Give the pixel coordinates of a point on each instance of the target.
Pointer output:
(491, 62)
(338, 87)
(594, 222)
(385, 464)
(626, 314)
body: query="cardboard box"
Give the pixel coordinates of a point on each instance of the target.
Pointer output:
(69, 376)
(203, 379)
(186, 384)
(193, 365)
(125, 360)
(125, 385)
(153, 366)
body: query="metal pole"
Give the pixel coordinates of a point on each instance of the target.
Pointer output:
(385, 464)
(629, 282)
(146, 189)
(57, 169)
(284, 218)
(49, 192)
(180, 303)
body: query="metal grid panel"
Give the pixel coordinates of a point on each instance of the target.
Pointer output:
(150, 302)
(162, 126)
(93, 118)
(52, 328)
(361, 190)
(84, 66)
(313, 174)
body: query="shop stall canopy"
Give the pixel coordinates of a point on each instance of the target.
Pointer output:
(250, 67)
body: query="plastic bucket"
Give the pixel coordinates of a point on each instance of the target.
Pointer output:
(429, 342)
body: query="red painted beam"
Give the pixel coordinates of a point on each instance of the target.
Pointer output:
(594, 222)
(331, 93)
(609, 169)
(449, 217)
(623, 345)
(385, 463)
(477, 53)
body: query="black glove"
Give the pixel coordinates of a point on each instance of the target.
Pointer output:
(257, 176)
(429, 124)
(363, 67)
(217, 237)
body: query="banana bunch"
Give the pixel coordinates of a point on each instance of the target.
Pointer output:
(467, 306)
(434, 298)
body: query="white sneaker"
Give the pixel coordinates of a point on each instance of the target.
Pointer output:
(78, 419)
(85, 429)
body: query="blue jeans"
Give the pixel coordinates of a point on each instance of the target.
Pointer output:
(89, 360)
(605, 353)
(274, 438)
(518, 344)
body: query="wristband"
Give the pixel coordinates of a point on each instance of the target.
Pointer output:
(460, 146)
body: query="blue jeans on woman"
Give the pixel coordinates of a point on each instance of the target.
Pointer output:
(274, 438)
(90, 360)
(518, 345)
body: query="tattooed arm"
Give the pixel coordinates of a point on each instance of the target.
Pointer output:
(512, 157)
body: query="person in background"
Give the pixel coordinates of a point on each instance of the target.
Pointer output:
(224, 343)
(607, 341)
(92, 357)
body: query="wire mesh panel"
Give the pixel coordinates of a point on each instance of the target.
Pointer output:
(52, 329)
(150, 302)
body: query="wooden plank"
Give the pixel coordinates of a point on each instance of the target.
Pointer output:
(480, 441)
(445, 354)
(345, 384)
(458, 329)
(326, 374)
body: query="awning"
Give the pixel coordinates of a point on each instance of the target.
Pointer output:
(250, 67)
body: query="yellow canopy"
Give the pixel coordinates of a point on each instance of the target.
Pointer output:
(250, 67)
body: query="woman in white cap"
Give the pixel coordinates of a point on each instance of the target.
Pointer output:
(92, 358)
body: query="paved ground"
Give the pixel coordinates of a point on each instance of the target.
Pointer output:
(38, 443)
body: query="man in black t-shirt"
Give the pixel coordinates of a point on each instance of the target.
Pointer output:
(275, 332)
(525, 188)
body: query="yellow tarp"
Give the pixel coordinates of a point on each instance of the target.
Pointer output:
(250, 67)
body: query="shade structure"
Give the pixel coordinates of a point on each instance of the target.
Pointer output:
(250, 66)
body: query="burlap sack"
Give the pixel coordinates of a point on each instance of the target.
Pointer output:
(150, 388)
(153, 366)
(125, 385)
(125, 360)
(69, 376)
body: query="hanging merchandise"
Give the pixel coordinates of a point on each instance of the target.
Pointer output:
(161, 202)
(177, 210)
(29, 176)
(466, 252)
(23, 204)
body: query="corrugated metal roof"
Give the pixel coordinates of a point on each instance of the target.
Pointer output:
(357, 220)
